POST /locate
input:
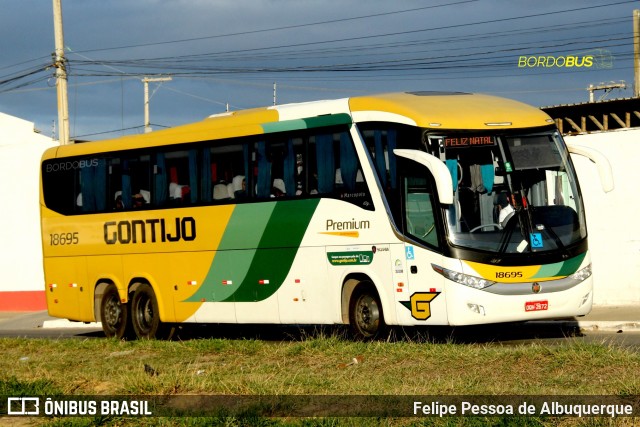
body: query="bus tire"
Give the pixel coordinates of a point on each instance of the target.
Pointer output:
(145, 315)
(365, 313)
(114, 314)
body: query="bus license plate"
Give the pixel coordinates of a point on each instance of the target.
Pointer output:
(536, 305)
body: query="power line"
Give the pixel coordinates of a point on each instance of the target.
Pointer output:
(197, 64)
(476, 60)
(441, 57)
(397, 33)
(287, 27)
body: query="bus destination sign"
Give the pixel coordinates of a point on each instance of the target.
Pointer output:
(469, 141)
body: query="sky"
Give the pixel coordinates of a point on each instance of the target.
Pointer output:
(228, 54)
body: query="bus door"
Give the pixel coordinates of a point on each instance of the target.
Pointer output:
(426, 302)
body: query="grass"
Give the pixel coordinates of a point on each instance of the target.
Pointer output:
(316, 365)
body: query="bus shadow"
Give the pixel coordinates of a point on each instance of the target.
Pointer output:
(477, 334)
(487, 334)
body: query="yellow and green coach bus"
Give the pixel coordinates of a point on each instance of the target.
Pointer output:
(415, 208)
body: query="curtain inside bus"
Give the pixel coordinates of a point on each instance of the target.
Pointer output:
(127, 197)
(289, 169)
(326, 163)
(161, 190)
(264, 171)
(206, 187)
(93, 187)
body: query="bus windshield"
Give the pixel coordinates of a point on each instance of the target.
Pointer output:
(513, 192)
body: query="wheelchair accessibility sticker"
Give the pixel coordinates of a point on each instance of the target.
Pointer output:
(536, 240)
(409, 253)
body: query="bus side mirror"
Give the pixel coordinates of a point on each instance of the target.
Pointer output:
(439, 171)
(601, 161)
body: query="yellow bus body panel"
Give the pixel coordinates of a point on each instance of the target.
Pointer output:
(172, 268)
(236, 124)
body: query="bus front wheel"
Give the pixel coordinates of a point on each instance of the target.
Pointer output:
(114, 314)
(365, 313)
(145, 315)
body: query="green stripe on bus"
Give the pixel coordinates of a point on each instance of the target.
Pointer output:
(236, 251)
(284, 126)
(560, 269)
(308, 123)
(328, 120)
(277, 250)
(570, 266)
(259, 244)
(548, 270)
(246, 226)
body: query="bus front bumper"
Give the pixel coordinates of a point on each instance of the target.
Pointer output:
(518, 302)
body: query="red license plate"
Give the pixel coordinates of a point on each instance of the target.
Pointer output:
(536, 305)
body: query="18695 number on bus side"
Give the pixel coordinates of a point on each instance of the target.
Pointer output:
(61, 239)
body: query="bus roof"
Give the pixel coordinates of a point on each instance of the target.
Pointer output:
(454, 110)
(426, 109)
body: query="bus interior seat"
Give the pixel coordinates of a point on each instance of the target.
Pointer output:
(239, 187)
(178, 192)
(278, 189)
(220, 192)
(146, 195)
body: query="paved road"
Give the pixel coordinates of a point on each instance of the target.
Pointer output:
(598, 328)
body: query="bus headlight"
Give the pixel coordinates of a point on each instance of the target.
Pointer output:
(463, 279)
(582, 274)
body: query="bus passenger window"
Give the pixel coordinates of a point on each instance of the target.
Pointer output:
(177, 164)
(380, 143)
(276, 167)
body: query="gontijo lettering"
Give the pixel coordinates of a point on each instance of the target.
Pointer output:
(150, 230)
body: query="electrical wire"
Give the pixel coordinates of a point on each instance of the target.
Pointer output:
(287, 27)
(374, 56)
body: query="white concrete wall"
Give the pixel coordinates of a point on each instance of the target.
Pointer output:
(20, 244)
(613, 219)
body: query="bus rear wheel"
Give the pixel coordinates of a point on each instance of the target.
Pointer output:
(365, 313)
(145, 315)
(114, 314)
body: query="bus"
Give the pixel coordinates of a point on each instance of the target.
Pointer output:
(415, 209)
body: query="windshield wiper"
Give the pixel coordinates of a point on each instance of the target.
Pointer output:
(508, 231)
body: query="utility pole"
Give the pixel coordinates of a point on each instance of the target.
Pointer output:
(636, 53)
(60, 63)
(607, 87)
(146, 80)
